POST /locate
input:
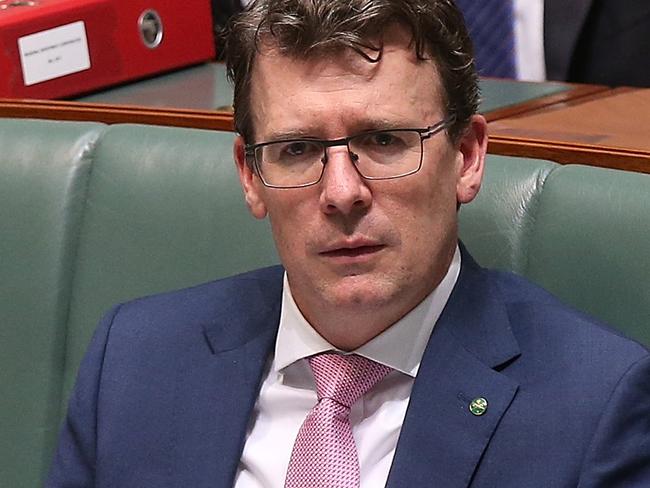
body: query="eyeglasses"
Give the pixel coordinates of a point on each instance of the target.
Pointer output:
(377, 155)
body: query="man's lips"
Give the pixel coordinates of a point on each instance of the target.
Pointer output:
(353, 251)
(359, 246)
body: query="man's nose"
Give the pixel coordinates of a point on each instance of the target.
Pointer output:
(343, 189)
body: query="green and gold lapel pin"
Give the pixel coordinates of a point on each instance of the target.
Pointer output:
(478, 406)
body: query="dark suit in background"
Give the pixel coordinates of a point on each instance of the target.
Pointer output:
(222, 10)
(598, 41)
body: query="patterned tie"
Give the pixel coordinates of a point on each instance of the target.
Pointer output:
(324, 454)
(491, 27)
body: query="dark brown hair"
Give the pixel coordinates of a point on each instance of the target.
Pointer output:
(305, 28)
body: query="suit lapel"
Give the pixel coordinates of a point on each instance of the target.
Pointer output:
(441, 442)
(218, 386)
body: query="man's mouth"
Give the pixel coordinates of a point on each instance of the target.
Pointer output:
(353, 251)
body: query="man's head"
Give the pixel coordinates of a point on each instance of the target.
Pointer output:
(312, 28)
(359, 251)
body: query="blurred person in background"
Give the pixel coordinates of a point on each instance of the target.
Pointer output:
(583, 41)
(222, 10)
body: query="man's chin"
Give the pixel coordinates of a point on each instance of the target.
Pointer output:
(359, 292)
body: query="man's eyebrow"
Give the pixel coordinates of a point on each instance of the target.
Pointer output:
(383, 124)
(281, 135)
(360, 127)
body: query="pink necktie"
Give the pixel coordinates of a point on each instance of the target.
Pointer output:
(324, 454)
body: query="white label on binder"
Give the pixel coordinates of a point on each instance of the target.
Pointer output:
(54, 53)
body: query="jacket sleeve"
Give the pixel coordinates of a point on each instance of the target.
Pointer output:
(75, 457)
(619, 454)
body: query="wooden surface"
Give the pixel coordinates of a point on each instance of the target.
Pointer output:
(564, 123)
(114, 114)
(574, 93)
(610, 129)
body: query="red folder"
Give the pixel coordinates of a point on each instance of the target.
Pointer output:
(61, 48)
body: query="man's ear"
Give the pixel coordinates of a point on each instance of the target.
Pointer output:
(473, 147)
(250, 183)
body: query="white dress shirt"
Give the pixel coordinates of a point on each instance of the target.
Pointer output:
(288, 391)
(529, 40)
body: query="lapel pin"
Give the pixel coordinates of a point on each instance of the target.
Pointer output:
(478, 406)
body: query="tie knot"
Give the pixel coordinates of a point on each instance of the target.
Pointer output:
(345, 378)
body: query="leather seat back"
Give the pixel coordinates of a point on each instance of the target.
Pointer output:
(497, 226)
(591, 244)
(44, 169)
(165, 211)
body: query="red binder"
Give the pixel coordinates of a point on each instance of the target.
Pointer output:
(60, 48)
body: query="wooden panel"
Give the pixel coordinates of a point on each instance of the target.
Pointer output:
(577, 92)
(114, 114)
(606, 129)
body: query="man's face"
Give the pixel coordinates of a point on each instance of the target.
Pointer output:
(360, 254)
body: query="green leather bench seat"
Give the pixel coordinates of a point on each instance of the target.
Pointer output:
(581, 232)
(92, 215)
(497, 225)
(44, 168)
(590, 244)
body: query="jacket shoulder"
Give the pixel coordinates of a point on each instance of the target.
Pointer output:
(208, 299)
(536, 314)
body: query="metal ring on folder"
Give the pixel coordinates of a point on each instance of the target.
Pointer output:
(151, 28)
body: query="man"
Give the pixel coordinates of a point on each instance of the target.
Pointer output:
(383, 355)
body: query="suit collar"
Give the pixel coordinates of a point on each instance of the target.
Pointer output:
(477, 318)
(441, 442)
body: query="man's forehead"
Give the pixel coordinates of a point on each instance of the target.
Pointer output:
(360, 55)
(341, 62)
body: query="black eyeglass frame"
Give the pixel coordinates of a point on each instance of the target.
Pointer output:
(425, 133)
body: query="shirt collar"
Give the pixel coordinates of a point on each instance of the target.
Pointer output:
(297, 339)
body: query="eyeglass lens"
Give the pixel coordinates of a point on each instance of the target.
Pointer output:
(386, 154)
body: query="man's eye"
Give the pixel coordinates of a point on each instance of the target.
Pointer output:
(299, 149)
(383, 139)
(295, 149)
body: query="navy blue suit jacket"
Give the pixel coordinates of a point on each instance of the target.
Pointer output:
(165, 392)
